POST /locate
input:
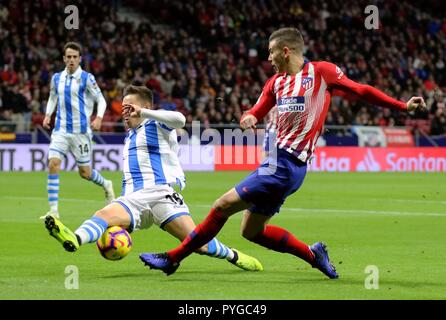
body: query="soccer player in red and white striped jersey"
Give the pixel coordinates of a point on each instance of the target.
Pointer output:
(302, 91)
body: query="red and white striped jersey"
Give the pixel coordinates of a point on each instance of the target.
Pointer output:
(271, 119)
(270, 129)
(302, 103)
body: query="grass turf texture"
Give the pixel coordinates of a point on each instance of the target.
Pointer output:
(394, 221)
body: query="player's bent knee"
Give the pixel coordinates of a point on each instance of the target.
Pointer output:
(54, 166)
(250, 234)
(101, 213)
(222, 205)
(202, 250)
(251, 231)
(106, 216)
(85, 174)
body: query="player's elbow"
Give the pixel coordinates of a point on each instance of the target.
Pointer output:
(363, 89)
(181, 120)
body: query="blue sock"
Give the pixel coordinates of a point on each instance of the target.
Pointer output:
(97, 178)
(91, 230)
(218, 250)
(52, 188)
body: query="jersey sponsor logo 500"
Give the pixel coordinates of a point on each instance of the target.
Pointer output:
(291, 104)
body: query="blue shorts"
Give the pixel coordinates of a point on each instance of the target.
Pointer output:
(274, 180)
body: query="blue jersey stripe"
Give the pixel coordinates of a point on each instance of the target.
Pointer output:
(135, 171)
(162, 125)
(56, 86)
(68, 108)
(123, 186)
(81, 94)
(154, 152)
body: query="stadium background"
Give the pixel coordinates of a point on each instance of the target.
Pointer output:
(208, 60)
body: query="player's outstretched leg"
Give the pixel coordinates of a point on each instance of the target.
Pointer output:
(202, 234)
(322, 261)
(62, 234)
(281, 240)
(168, 262)
(217, 249)
(90, 231)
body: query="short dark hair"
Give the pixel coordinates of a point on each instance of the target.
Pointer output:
(144, 93)
(290, 37)
(72, 45)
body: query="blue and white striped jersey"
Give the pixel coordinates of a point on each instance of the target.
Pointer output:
(151, 157)
(75, 96)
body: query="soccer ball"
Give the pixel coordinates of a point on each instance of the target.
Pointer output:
(115, 243)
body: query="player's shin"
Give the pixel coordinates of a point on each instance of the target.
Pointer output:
(53, 191)
(97, 178)
(279, 239)
(202, 234)
(218, 250)
(91, 230)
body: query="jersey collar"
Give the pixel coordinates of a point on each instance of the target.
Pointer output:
(76, 74)
(139, 126)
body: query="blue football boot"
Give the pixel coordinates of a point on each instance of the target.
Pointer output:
(159, 261)
(322, 261)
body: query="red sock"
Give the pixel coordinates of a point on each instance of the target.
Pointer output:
(202, 234)
(278, 239)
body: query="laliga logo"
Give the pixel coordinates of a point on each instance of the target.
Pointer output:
(339, 72)
(369, 164)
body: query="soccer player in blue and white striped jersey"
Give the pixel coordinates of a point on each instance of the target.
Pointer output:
(74, 92)
(151, 169)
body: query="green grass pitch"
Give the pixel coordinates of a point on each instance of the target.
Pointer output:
(394, 221)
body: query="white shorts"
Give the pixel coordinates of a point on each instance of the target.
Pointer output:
(155, 205)
(78, 143)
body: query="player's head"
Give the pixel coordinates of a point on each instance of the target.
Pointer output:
(284, 43)
(138, 95)
(72, 56)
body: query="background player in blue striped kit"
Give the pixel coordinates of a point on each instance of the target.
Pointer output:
(150, 170)
(74, 92)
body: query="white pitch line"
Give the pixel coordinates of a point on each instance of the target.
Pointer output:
(317, 210)
(352, 211)
(45, 198)
(409, 200)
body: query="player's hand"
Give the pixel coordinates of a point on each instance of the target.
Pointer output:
(131, 110)
(415, 103)
(248, 121)
(96, 124)
(46, 122)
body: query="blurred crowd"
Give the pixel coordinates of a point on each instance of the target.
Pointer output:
(208, 58)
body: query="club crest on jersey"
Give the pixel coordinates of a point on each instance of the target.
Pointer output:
(291, 104)
(307, 83)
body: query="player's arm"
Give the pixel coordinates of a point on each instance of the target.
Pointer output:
(172, 119)
(337, 80)
(50, 105)
(95, 91)
(264, 104)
